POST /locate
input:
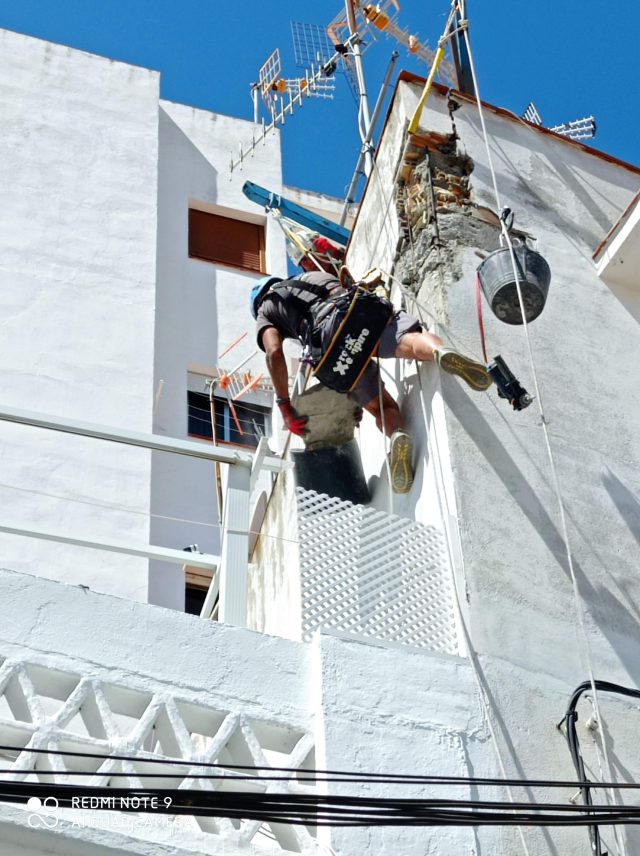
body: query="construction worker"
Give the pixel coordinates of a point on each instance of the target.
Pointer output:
(285, 309)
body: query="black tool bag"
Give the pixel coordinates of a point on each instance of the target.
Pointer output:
(355, 342)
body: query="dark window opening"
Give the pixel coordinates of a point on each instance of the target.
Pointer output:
(223, 240)
(197, 582)
(194, 598)
(251, 419)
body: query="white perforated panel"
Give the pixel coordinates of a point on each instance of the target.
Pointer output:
(374, 574)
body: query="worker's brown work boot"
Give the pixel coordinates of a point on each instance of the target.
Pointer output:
(400, 453)
(473, 373)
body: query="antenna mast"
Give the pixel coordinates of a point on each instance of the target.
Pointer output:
(364, 117)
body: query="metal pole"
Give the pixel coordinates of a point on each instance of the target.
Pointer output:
(234, 561)
(254, 98)
(205, 451)
(364, 119)
(367, 143)
(161, 554)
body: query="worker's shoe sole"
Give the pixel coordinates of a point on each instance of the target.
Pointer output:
(473, 373)
(400, 462)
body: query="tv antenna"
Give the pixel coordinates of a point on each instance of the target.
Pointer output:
(322, 52)
(282, 96)
(382, 18)
(579, 129)
(312, 46)
(273, 88)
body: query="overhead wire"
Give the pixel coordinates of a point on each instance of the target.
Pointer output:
(321, 809)
(330, 775)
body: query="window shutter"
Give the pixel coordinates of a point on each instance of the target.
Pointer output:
(226, 241)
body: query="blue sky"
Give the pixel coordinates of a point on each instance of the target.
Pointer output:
(572, 59)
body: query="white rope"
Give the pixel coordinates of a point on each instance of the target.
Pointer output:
(386, 445)
(579, 605)
(446, 516)
(440, 489)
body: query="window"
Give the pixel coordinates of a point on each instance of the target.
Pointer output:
(252, 420)
(197, 582)
(214, 238)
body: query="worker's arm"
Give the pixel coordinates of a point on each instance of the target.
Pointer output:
(277, 365)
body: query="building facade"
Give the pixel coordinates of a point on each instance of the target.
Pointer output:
(438, 633)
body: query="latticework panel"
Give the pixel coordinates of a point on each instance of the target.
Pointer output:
(52, 710)
(373, 574)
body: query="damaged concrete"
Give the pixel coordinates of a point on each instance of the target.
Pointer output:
(330, 462)
(438, 216)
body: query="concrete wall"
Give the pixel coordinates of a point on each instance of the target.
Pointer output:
(142, 664)
(371, 708)
(274, 602)
(521, 597)
(78, 162)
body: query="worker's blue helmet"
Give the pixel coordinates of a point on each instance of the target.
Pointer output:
(259, 291)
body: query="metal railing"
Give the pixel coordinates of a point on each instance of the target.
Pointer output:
(231, 567)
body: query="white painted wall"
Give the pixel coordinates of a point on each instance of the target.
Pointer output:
(78, 164)
(371, 708)
(567, 197)
(521, 597)
(104, 313)
(201, 309)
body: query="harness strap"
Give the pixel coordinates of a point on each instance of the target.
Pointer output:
(315, 291)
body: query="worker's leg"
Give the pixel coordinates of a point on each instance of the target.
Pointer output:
(426, 346)
(418, 346)
(392, 417)
(401, 444)
(404, 338)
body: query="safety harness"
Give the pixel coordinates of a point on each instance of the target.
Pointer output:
(340, 364)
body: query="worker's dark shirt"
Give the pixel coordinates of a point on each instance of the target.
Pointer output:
(288, 309)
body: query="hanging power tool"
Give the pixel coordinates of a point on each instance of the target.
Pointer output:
(508, 385)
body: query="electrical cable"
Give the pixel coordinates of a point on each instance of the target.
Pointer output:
(315, 775)
(321, 809)
(570, 718)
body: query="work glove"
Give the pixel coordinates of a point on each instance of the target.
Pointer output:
(291, 418)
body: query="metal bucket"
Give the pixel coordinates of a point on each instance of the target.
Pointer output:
(499, 285)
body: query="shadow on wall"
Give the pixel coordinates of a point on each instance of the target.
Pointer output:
(627, 503)
(605, 608)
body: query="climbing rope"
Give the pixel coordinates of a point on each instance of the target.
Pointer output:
(446, 516)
